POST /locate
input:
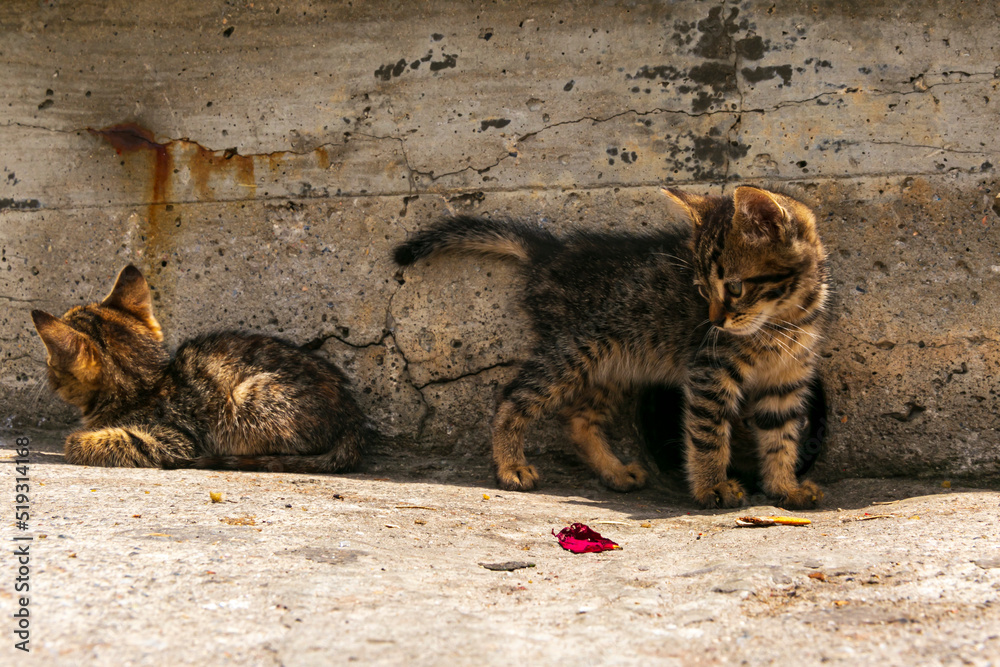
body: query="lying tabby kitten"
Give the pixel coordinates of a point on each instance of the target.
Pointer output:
(730, 308)
(226, 400)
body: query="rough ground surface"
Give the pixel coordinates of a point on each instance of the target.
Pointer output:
(258, 161)
(139, 567)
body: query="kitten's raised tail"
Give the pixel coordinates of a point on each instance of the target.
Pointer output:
(464, 233)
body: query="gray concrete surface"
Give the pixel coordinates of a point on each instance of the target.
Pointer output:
(140, 567)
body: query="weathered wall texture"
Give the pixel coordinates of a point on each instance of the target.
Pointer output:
(259, 159)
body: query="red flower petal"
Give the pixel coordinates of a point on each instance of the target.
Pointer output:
(579, 539)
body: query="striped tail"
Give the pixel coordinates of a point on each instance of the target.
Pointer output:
(463, 233)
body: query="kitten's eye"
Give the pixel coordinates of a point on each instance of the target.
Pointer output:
(735, 288)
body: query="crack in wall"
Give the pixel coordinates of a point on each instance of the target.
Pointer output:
(622, 185)
(405, 376)
(732, 134)
(469, 374)
(937, 149)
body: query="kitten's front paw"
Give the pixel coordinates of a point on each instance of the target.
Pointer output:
(806, 496)
(724, 494)
(72, 450)
(519, 477)
(626, 478)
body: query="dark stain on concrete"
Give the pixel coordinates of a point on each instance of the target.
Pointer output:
(751, 48)
(716, 33)
(758, 74)
(819, 64)
(703, 157)
(398, 68)
(835, 145)
(450, 60)
(386, 72)
(704, 101)
(569, 86)
(497, 123)
(468, 199)
(720, 77)
(663, 72)
(19, 204)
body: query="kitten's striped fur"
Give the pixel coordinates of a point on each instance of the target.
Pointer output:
(731, 307)
(226, 400)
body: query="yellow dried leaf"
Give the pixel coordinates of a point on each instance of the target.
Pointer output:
(789, 521)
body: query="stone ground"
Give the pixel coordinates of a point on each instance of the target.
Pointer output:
(140, 567)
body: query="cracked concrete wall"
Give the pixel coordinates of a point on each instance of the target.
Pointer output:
(259, 160)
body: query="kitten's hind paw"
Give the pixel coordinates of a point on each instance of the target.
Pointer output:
(724, 494)
(807, 495)
(626, 478)
(521, 477)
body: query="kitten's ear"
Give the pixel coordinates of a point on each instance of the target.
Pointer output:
(69, 350)
(131, 294)
(684, 205)
(758, 213)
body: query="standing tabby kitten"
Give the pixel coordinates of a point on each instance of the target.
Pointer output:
(226, 400)
(730, 308)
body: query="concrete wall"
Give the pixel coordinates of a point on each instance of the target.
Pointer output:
(259, 159)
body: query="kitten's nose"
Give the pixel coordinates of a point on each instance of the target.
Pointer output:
(716, 314)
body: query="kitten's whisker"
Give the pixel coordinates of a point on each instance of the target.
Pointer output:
(780, 343)
(790, 338)
(36, 392)
(795, 327)
(704, 338)
(663, 254)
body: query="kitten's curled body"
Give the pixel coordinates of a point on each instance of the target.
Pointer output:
(225, 400)
(614, 311)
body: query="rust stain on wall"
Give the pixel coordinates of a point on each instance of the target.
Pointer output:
(133, 139)
(207, 165)
(209, 170)
(322, 157)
